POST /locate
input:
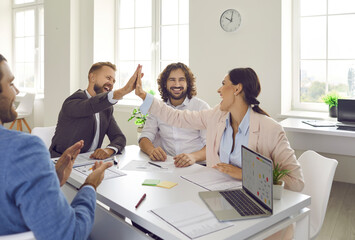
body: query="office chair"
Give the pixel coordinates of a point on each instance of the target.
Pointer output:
(318, 172)
(19, 236)
(23, 110)
(44, 133)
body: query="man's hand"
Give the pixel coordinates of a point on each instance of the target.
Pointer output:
(130, 85)
(95, 178)
(233, 171)
(157, 154)
(139, 88)
(184, 160)
(65, 163)
(102, 153)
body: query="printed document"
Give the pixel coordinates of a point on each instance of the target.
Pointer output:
(111, 172)
(191, 219)
(157, 166)
(212, 179)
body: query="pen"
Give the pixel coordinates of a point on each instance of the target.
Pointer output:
(154, 164)
(115, 161)
(141, 200)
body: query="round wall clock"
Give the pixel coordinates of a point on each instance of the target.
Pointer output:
(230, 20)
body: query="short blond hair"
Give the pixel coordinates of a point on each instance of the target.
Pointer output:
(99, 65)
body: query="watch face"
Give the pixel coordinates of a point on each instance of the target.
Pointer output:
(230, 20)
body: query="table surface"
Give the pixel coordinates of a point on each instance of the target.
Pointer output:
(122, 194)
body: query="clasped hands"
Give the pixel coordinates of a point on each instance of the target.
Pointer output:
(65, 164)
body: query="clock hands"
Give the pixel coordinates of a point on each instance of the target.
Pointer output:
(230, 20)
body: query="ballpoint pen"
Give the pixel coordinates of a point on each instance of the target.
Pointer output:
(141, 200)
(154, 164)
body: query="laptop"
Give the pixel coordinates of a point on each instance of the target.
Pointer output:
(253, 200)
(346, 114)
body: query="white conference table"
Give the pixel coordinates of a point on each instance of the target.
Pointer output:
(122, 194)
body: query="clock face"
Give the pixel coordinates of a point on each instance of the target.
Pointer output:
(230, 20)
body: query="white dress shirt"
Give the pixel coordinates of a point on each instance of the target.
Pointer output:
(175, 140)
(95, 142)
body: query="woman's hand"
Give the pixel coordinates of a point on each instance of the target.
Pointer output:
(233, 171)
(139, 88)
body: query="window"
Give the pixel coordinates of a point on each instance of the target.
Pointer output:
(153, 33)
(28, 45)
(324, 51)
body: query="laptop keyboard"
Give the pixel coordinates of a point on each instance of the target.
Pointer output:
(241, 203)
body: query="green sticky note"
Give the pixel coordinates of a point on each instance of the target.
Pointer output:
(151, 182)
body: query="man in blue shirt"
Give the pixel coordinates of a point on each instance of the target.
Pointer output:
(30, 195)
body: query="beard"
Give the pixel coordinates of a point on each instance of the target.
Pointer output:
(7, 111)
(181, 96)
(99, 89)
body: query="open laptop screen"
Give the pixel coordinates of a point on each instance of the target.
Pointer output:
(346, 110)
(257, 176)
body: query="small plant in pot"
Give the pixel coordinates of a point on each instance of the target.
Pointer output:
(139, 117)
(278, 187)
(331, 99)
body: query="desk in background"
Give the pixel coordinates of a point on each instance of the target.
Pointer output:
(320, 139)
(121, 195)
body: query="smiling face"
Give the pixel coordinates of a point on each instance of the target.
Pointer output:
(177, 85)
(228, 93)
(104, 79)
(7, 94)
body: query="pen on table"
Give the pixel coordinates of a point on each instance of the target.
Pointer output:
(115, 161)
(154, 164)
(141, 200)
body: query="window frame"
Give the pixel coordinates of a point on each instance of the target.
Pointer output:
(156, 60)
(296, 58)
(37, 6)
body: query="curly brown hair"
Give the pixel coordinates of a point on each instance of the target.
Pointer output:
(164, 75)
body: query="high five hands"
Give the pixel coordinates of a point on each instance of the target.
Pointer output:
(139, 88)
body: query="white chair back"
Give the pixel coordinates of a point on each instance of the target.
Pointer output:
(25, 106)
(44, 133)
(318, 174)
(19, 236)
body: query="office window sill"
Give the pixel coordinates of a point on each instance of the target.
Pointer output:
(306, 114)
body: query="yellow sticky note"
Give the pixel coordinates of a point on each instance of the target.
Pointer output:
(166, 184)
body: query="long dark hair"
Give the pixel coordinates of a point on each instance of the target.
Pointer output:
(251, 86)
(190, 80)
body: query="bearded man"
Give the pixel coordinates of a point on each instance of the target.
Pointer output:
(88, 115)
(177, 87)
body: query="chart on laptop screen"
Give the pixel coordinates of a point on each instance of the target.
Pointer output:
(257, 176)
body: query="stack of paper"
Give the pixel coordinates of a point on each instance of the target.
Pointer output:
(213, 180)
(190, 218)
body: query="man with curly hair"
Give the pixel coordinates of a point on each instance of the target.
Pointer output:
(177, 87)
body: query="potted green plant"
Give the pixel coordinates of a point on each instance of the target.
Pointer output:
(332, 100)
(278, 184)
(139, 117)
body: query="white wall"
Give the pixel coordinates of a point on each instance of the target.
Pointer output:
(256, 44)
(6, 29)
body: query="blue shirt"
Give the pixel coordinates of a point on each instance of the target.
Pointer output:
(31, 198)
(241, 138)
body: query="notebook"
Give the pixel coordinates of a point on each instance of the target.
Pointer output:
(253, 200)
(346, 114)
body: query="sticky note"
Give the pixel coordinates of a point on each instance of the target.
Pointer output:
(166, 184)
(151, 182)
